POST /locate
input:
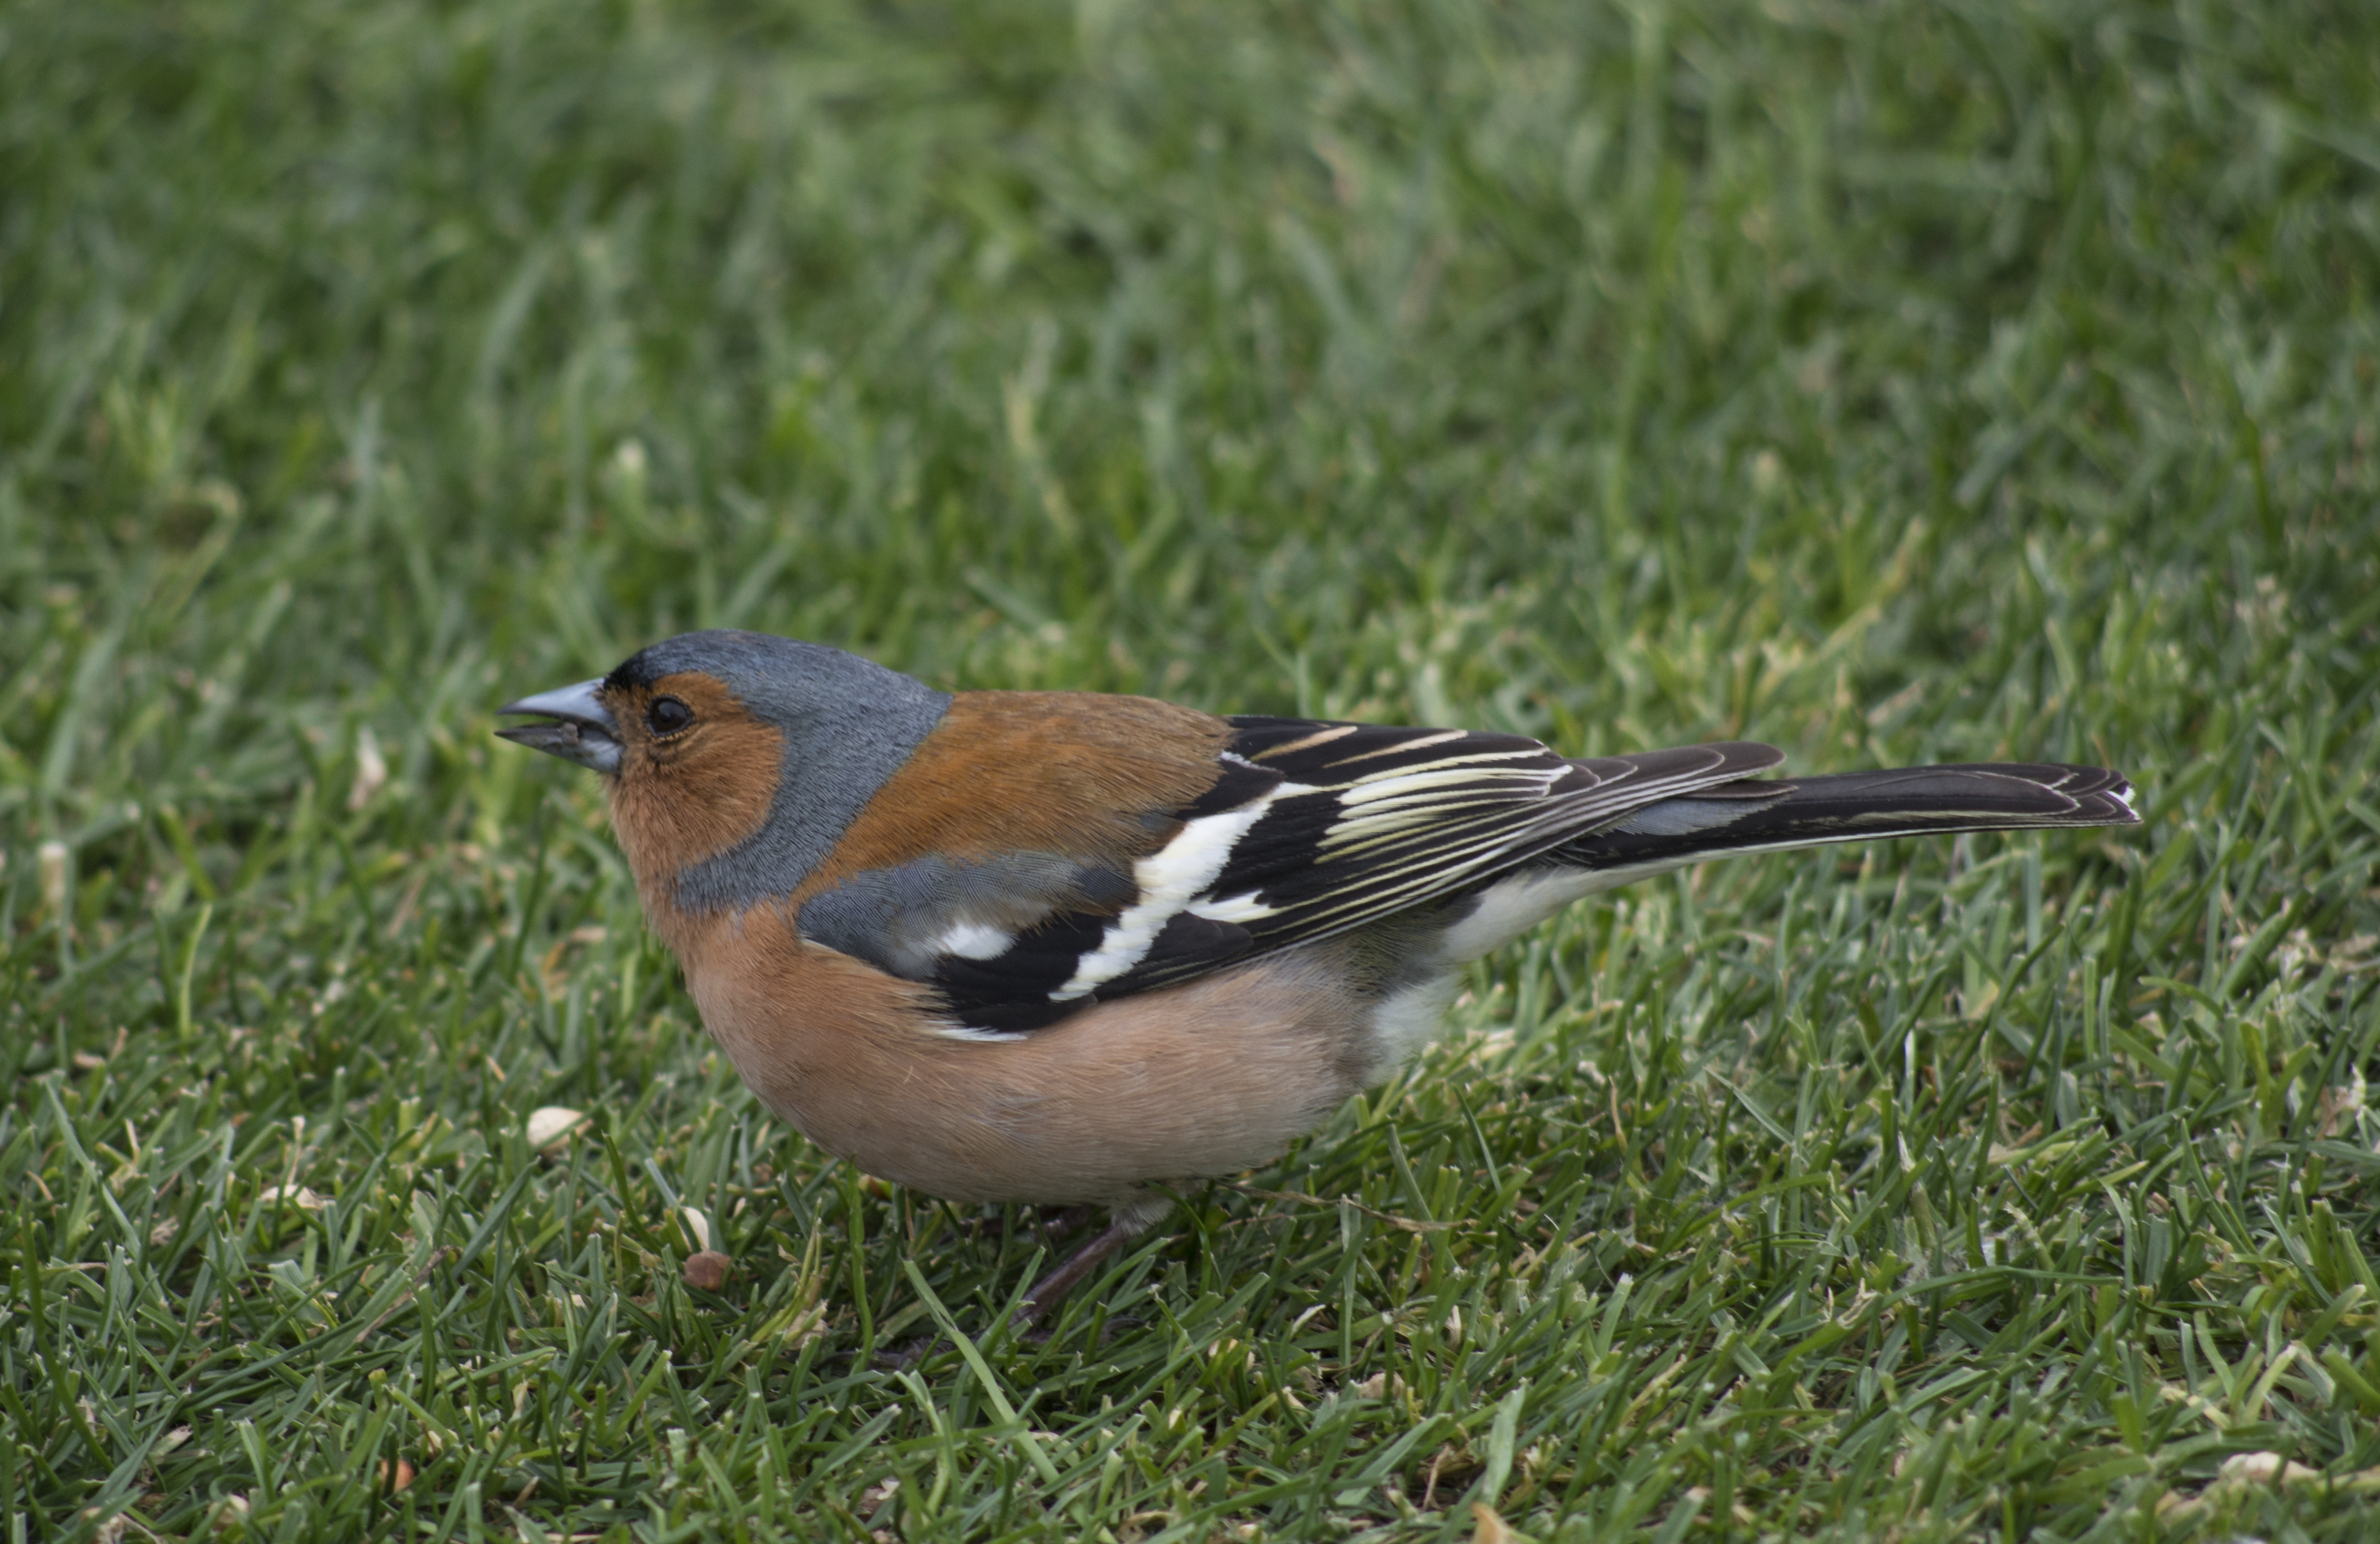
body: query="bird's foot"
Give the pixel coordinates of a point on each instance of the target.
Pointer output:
(1127, 1223)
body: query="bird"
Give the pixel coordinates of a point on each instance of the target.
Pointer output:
(1082, 949)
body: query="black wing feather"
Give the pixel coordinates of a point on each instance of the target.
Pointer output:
(1395, 819)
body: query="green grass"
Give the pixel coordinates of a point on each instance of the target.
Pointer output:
(1894, 383)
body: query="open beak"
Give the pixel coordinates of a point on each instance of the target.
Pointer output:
(581, 729)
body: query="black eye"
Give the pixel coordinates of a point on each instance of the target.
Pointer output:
(667, 716)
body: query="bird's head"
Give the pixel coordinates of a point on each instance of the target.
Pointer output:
(733, 760)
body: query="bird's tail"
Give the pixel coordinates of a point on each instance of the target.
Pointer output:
(1758, 816)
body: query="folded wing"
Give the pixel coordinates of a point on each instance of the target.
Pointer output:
(1310, 829)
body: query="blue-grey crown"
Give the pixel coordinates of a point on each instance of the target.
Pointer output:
(848, 725)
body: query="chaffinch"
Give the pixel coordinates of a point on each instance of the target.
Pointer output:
(1065, 948)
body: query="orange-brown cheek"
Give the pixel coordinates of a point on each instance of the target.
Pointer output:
(680, 802)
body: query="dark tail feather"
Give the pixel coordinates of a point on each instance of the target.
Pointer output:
(1748, 817)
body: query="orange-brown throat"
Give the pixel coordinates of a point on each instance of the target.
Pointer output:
(683, 798)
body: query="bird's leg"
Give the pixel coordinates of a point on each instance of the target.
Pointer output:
(1125, 1224)
(1062, 1221)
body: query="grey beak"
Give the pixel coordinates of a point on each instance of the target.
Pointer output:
(582, 730)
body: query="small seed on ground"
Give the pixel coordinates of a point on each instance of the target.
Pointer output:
(549, 1124)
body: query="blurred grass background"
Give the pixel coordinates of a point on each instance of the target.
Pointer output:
(1893, 383)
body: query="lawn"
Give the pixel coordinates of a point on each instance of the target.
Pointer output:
(1893, 383)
